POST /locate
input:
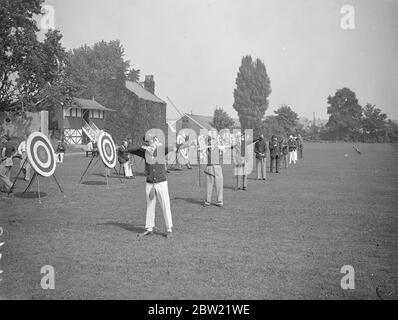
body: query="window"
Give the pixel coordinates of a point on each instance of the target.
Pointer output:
(73, 112)
(96, 114)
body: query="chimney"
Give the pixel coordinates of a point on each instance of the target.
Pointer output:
(149, 84)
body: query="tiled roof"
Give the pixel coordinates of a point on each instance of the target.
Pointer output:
(203, 121)
(90, 104)
(141, 92)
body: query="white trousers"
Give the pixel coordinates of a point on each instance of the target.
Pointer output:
(127, 169)
(295, 155)
(161, 191)
(292, 157)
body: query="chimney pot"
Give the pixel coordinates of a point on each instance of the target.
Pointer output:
(149, 84)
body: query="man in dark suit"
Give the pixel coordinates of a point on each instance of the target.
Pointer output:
(260, 149)
(274, 150)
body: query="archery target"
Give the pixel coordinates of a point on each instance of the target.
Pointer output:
(202, 145)
(225, 139)
(41, 154)
(235, 138)
(183, 152)
(107, 150)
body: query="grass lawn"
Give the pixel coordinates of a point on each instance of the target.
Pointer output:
(286, 238)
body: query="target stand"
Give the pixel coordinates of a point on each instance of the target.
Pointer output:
(41, 157)
(107, 153)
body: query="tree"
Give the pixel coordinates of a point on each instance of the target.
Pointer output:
(102, 70)
(391, 131)
(251, 93)
(31, 71)
(133, 75)
(373, 122)
(271, 126)
(99, 69)
(221, 120)
(287, 118)
(345, 115)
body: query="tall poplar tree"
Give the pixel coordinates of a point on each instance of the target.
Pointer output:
(253, 88)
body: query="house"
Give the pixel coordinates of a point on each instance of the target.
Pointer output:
(194, 122)
(140, 111)
(71, 121)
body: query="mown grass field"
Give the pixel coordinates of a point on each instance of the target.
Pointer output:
(286, 238)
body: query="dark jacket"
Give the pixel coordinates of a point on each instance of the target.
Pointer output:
(292, 144)
(156, 172)
(9, 149)
(260, 149)
(123, 154)
(61, 148)
(274, 149)
(284, 148)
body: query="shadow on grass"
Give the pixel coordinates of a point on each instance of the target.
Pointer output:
(30, 195)
(131, 228)
(117, 176)
(94, 183)
(189, 200)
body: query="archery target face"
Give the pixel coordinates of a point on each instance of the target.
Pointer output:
(202, 146)
(107, 150)
(41, 154)
(183, 152)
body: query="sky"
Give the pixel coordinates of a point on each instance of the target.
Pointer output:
(194, 48)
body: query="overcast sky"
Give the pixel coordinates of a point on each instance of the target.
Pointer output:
(194, 48)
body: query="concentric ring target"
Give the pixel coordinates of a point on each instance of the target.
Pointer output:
(41, 154)
(107, 150)
(184, 151)
(202, 147)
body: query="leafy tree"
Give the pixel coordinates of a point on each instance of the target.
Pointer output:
(31, 71)
(287, 118)
(101, 70)
(133, 75)
(271, 126)
(373, 122)
(221, 120)
(251, 93)
(98, 69)
(391, 131)
(345, 115)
